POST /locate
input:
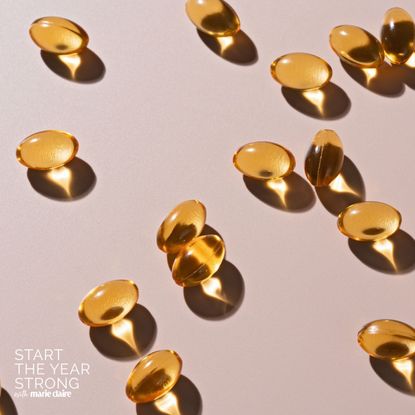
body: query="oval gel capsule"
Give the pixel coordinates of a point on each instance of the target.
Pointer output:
(387, 339)
(47, 150)
(58, 35)
(301, 71)
(356, 46)
(154, 376)
(369, 221)
(398, 35)
(214, 17)
(264, 160)
(324, 160)
(198, 260)
(108, 303)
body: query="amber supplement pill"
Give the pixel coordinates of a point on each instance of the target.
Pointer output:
(356, 46)
(264, 160)
(214, 17)
(198, 261)
(324, 159)
(184, 223)
(369, 221)
(387, 339)
(397, 35)
(58, 35)
(47, 150)
(154, 376)
(108, 303)
(301, 71)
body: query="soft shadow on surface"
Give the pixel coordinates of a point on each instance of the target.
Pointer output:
(386, 80)
(347, 188)
(327, 103)
(291, 194)
(7, 406)
(133, 336)
(398, 374)
(220, 296)
(70, 182)
(83, 67)
(239, 49)
(183, 399)
(394, 255)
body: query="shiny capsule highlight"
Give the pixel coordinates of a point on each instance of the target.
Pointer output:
(108, 303)
(387, 339)
(184, 223)
(47, 150)
(264, 160)
(58, 35)
(397, 35)
(356, 46)
(301, 71)
(369, 221)
(154, 376)
(198, 261)
(324, 160)
(214, 17)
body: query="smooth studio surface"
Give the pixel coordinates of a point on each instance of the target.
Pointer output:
(160, 127)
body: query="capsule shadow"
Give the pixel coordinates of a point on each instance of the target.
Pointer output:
(407, 72)
(290, 194)
(70, 182)
(238, 49)
(398, 374)
(7, 406)
(327, 103)
(83, 67)
(394, 255)
(133, 336)
(183, 399)
(386, 80)
(347, 188)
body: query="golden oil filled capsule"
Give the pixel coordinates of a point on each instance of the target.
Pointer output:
(301, 71)
(324, 160)
(198, 260)
(214, 17)
(369, 221)
(264, 160)
(356, 46)
(387, 339)
(397, 35)
(58, 35)
(184, 223)
(154, 376)
(108, 303)
(47, 150)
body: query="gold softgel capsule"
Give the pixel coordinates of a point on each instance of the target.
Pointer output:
(369, 221)
(264, 160)
(356, 46)
(58, 35)
(154, 376)
(397, 35)
(108, 303)
(47, 150)
(387, 339)
(324, 159)
(214, 17)
(301, 71)
(184, 223)
(198, 260)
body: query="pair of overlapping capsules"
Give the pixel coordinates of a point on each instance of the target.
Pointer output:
(156, 373)
(354, 46)
(364, 221)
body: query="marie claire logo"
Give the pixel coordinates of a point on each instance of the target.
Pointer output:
(44, 373)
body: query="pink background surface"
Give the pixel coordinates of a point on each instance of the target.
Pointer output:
(160, 127)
